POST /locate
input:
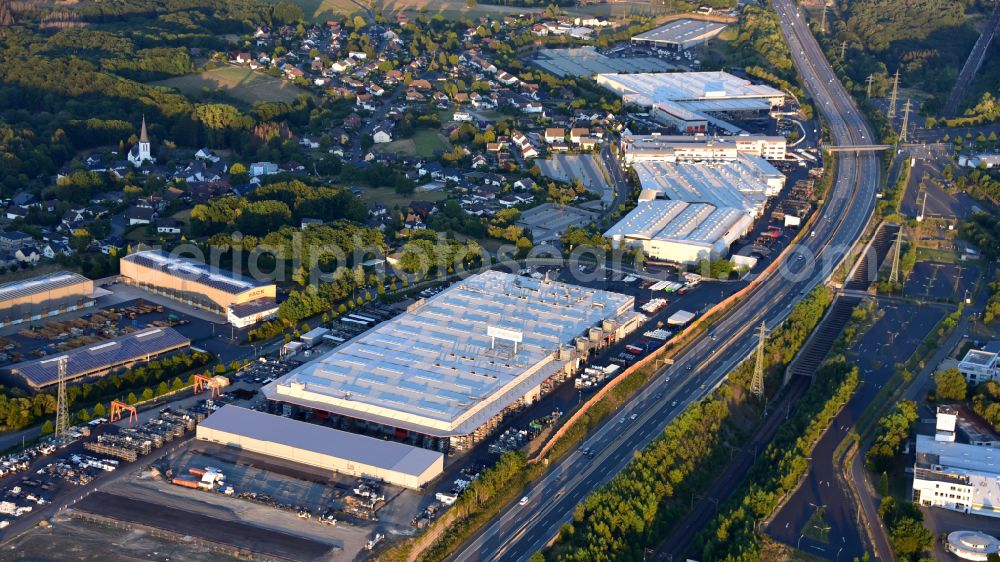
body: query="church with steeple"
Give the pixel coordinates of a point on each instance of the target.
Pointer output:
(140, 153)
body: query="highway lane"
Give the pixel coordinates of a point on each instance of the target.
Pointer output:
(522, 530)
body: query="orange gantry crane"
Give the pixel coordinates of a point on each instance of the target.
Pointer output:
(200, 382)
(117, 407)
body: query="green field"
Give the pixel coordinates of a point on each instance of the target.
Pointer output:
(423, 144)
(320, 10)
(240, 83)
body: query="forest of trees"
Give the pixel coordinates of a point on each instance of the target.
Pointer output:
(893, 431)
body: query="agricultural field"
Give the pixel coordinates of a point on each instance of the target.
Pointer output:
(240, 83)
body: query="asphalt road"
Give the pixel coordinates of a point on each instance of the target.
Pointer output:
(520, 531)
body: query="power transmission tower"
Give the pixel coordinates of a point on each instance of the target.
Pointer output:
(822, 25)
(62, 408)
(906, 120)
(891, 113)
(868, 83)
(843, 50)
(894, 275)
(757, 383)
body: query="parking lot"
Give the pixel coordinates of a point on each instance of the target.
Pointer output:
(548, 221)
(585, 167)
(588, 61)
(942, 281)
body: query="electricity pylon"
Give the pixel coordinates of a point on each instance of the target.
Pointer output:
(894, 274)
(891, 113)
(906, 120)
(62, 407)
(868, 85)
(757, 383)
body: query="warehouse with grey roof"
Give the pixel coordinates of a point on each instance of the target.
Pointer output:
(680, 232)
(445, 373)
(679, 35)
(322, 447)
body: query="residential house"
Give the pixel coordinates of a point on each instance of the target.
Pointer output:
(168, 226)
(139, 215)
(383, 132)
(577, 133)
(555, 134)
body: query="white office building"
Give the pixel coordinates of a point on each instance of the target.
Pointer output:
(957, 476)
(981, 365)
(678, 148)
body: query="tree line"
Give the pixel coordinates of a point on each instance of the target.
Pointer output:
(19, 410)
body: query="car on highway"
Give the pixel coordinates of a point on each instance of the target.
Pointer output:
(673, 404)
(658, 395)
(633, 416)
(622, 420)
(524, 501)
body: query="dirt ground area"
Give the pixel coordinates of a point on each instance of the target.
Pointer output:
(85, 541)
(346, 540)
(238, 535)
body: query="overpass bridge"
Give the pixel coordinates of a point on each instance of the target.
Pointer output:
(858, 148)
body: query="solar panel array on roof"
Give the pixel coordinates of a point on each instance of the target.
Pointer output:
(193, 271)
(95, 358)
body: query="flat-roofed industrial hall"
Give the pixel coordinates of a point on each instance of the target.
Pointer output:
(46, 295)
(443, 374)
(241, 300)
(321, 447)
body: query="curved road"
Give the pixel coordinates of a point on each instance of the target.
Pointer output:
(520, 531)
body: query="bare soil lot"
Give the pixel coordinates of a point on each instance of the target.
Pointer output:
(240, 536)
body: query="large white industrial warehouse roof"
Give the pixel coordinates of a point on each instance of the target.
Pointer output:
(698, 223)
(647, 89)
(681, 32)
(432, 369)
(742, 183)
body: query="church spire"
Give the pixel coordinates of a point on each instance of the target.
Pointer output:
(143, 136)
